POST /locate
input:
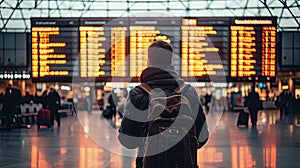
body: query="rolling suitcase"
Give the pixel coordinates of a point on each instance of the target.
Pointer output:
(43, 118)
(243, 119)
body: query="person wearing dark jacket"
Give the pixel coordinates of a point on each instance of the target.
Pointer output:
(207, 98)
(159, 75)
(53, 102)
(113, 100)
(27, 98)
(11, 104)
(254, 105)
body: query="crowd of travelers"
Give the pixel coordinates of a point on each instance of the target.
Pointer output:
(287, 103)
(12, 100)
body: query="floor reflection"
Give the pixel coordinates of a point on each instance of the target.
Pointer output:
(275, 143)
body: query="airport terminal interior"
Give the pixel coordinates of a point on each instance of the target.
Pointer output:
(81, 53)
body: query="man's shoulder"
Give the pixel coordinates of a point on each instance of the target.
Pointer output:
(190, 90)
(136, 91)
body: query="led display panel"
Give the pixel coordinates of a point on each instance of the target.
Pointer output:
(143, 32)
(55, 49)
(253, 48)
(204, 49)
(116, 49)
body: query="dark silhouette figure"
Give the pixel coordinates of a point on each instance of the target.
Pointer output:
(27, 98)
(282, 103)
(291, 103)
(53, 102)
(207, 102)
(254, 104)
(1, 97)
(11, 104)
(297, 101)
(43, 99)
(113, 100)
(87, 103)
(121, 103)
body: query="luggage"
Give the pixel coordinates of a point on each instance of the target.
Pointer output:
(62, 114)
(107, 113)
(243, 119)
(44, 118)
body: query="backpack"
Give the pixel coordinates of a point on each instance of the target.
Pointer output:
(171, 136)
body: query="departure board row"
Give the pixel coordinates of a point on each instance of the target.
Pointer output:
(116, 49)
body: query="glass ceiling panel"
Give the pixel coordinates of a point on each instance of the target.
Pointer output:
(9, 4)
(288, 23)
(99, 5)
(179, 5)
(117, 5)
(117, 8)
(16, 24)
(6, 12)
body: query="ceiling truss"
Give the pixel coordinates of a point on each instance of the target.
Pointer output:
(15, 14)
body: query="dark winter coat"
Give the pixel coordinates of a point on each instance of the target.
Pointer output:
(134, 123)
(254, 103)
(53, 100)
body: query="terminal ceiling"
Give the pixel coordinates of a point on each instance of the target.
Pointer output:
(15, 14)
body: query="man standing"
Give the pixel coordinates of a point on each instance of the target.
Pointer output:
(113, 100)
(160, 74)
(207, 102)
(53, 101)
(281, 103)
(11, 104)
(254, 104)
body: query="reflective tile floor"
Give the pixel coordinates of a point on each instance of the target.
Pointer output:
(88, 141)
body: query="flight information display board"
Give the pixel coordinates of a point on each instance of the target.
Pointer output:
(116, 49)
(54, 49)
(204, 47)
(143, 32)
(94, 43)
(253, 48)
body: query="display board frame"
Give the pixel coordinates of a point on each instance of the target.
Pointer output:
(210, 22)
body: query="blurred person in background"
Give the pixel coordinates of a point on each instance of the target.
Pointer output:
(113, 100)
(121, 103)
(11, 104)
(254, 105)
(53, 102)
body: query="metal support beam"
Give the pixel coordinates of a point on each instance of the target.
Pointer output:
(58, 8)
(2, 19)
(245, 7)
(285, 6)
(17, 6)
(24, 19)
(183, 4)
(265, 4)
(298, 5)
(49, 10)
(192, 9)
(1, 2)
(280, 16)
(184, 7)
(87, 9)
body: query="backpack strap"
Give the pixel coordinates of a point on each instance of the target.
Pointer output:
(146, 88)
(181, 88)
